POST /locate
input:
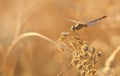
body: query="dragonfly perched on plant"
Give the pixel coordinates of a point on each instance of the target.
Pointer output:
(80, 25)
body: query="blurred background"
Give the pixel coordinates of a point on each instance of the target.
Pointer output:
(47, 17)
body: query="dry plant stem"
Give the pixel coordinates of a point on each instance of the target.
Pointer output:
(19, 38)
(24, 35)
(23, 16)
(110, 60)
(59, 74)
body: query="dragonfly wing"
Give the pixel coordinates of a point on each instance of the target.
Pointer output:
(90, 23)
(96, 20)
(74, 21)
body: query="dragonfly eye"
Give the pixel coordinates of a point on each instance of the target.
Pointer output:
(73, 28)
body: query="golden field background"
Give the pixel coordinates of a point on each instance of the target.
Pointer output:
(37, 57)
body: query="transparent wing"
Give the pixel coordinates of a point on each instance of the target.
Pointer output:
(94, 21)
(74, 21)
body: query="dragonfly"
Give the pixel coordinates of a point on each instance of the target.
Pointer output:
(80, 25)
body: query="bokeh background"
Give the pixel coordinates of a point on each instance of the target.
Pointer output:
(38, 57)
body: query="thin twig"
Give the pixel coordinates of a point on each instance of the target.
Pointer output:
(59, 74)
(110, 59)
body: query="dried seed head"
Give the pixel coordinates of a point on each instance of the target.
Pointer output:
(93, 50)
(99, 54)
(61, 49)
(94, 62)
(84, 57)
(79, 67)
(65, 34)
(92, 72)
(74, 62)
(85, 47)
(89, 66)
(83, 73)
(93, 57)
(85, 62)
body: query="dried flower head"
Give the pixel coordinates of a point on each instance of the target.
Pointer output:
(84, 57)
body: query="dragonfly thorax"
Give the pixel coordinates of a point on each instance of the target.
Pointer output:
(73, 28)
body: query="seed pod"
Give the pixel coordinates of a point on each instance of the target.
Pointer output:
(74, 62)
(99, 54)
(93, 57)
(65, 34)
(89, 66)
(94, 62)
(92, 72)
(79, 67)
(85, 47)
(93, 50)
(83, 73)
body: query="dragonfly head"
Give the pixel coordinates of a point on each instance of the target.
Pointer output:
(73, 28)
